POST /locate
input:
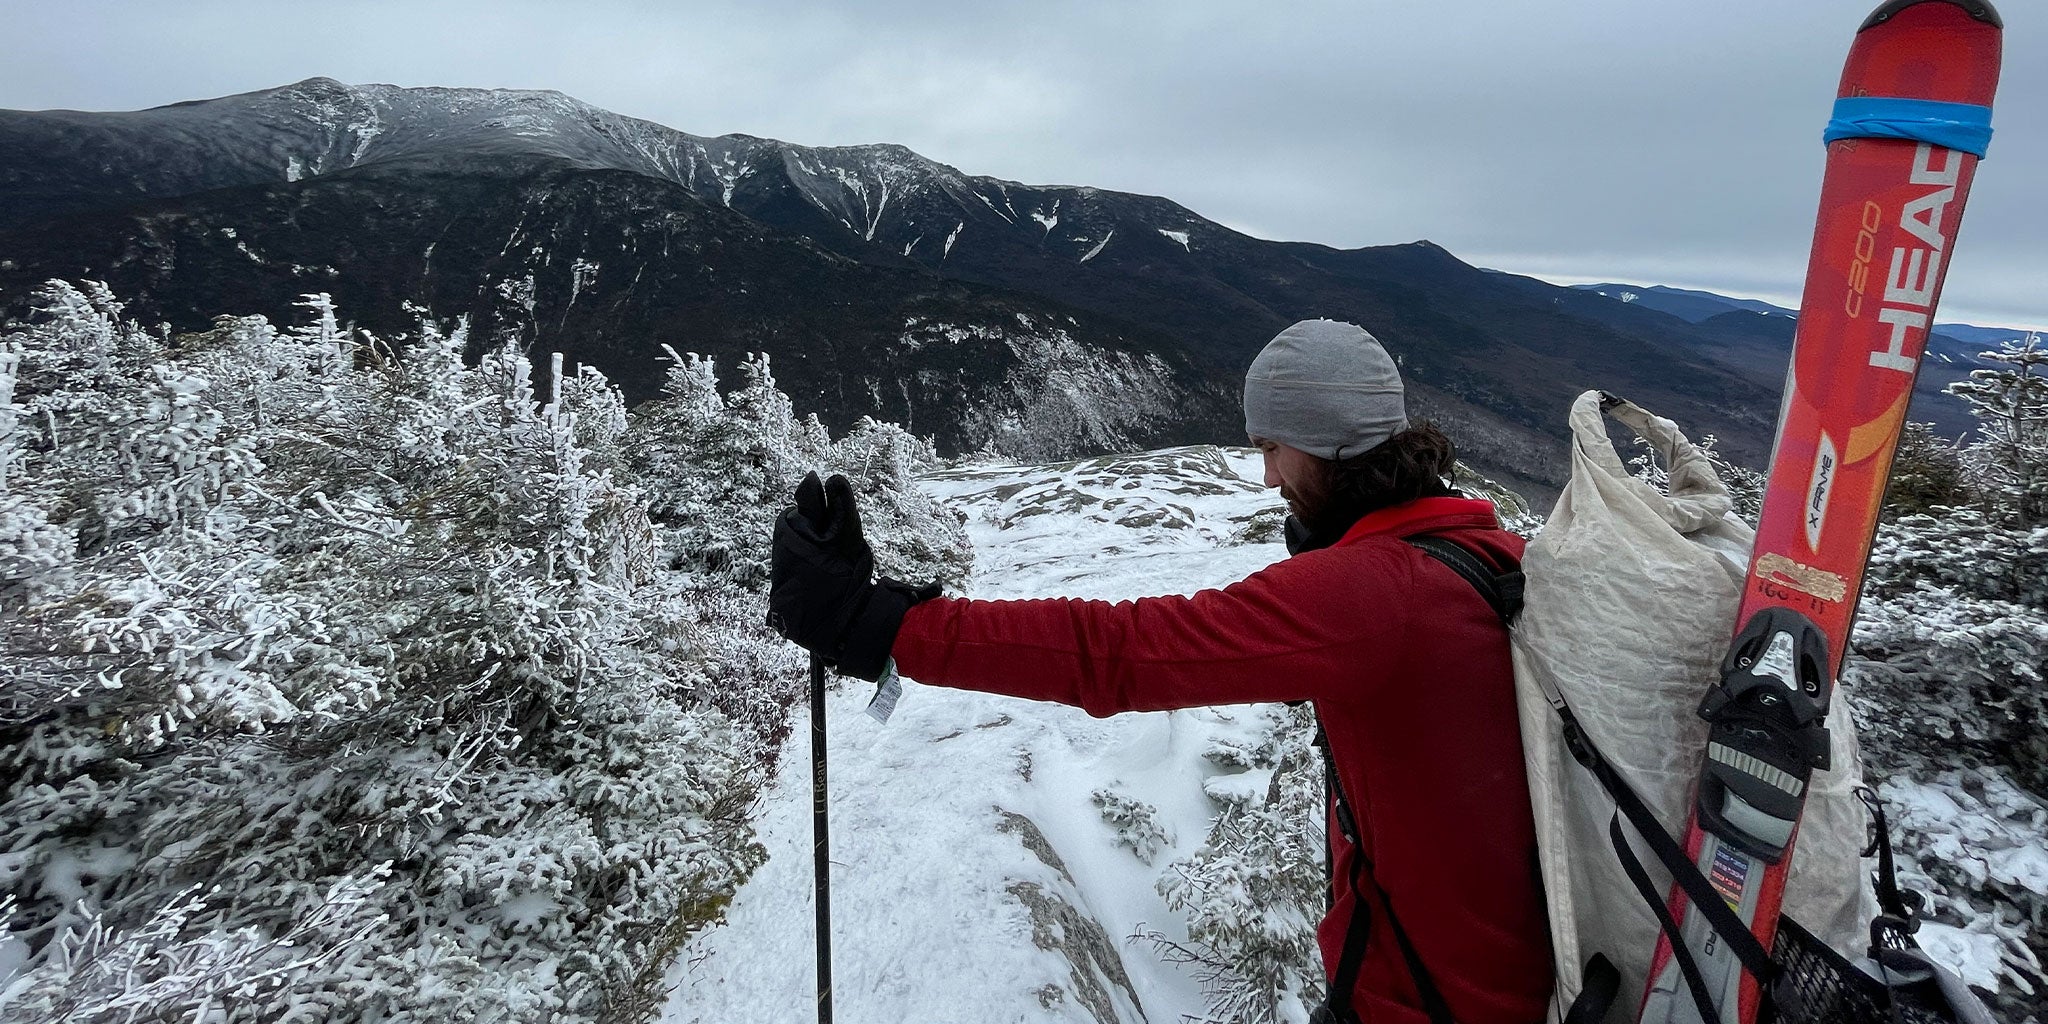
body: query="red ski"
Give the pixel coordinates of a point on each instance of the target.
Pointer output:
(1911, 121)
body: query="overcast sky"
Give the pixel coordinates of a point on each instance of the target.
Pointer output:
(1650, 141)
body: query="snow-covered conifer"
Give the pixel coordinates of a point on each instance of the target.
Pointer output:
(1927, 473)
(280, 615)
(1255, 890)
(1135, 821)
(328, 349)
(2011, 404)
(1946, 677)
(915, 537)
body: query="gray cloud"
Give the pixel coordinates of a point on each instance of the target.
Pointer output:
(1656, 141)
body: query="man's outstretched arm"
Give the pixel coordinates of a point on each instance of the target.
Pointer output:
(1302, 629)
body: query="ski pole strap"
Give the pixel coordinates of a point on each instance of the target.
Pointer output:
(1965, 127)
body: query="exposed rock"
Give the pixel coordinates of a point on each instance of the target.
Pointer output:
(1060, 927)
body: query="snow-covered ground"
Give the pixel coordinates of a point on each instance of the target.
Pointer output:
(974, 878)
(964, 828)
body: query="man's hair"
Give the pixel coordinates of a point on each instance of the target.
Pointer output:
(1412, 464)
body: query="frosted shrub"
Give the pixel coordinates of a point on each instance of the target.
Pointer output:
(1946, 676)
(1135, 821)
(717, 470)
(1973, 843)
(347, 682)
(169, 970)
(1953, 631)
(2011, 405)
(915, 537)
(1255, 890)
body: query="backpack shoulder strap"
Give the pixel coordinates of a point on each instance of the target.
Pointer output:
(1502, 590)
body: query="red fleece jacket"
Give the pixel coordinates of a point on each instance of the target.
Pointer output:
(1409, 669)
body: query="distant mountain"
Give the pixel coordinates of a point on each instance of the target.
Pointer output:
(1755, 337)
(1684, 303)
(1696, 306)
(1977, 339)
(883, 283)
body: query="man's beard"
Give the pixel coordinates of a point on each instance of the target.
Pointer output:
(1316, 508)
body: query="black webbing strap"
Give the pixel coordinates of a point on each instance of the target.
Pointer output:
(1688, 965)
(1599, 983)
(1502, 590)
(1708, 902)
(1359, 932)
(1425, 986)
(1503, 593)
(1894, 926)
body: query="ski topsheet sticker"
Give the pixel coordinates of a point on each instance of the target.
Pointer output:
(1729, 875)
(887, 693)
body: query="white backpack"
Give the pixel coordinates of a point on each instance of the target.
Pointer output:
(1629, 604)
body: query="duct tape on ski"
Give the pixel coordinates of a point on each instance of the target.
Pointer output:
(1959, 126)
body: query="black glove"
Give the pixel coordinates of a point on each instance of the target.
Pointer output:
(819, 590)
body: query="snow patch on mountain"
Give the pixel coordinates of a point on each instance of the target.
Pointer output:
(992, 206)
(1092, 253)
(882, 193)
(1048, 221)
(582, 273)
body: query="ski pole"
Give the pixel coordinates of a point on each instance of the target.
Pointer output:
(819, 842)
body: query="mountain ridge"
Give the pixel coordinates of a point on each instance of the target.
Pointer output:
(1755, 337)
(449, 197)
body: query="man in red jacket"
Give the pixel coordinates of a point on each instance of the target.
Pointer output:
(1438, 914)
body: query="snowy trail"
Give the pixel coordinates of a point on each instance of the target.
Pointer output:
(932, 872)
(932, 815)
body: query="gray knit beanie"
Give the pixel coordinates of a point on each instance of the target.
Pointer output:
(1324, 387)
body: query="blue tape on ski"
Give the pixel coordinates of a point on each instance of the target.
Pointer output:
(1965, 127)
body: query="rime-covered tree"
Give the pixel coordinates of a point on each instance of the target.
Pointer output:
(717, 469)
(1951, 646)
(2011, 405)
(349, 682)
(1927, 473)
(1255, 890)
